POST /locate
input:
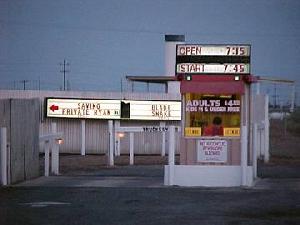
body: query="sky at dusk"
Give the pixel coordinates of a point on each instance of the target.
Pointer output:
(105, 40)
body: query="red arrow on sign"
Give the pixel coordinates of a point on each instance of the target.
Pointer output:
(53, 107)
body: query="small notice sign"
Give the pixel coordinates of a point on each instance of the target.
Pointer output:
(212, 151)
(232, 132)
(155, 129)
(192, 131)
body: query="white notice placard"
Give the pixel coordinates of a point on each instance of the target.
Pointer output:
(212, 151)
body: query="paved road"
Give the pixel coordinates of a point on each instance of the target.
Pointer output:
(148, 206)
(105, 197)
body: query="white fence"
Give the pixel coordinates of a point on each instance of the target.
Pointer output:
(51, 143)
(260, 127)
(96, 135)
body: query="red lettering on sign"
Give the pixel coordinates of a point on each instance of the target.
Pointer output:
(53, 107)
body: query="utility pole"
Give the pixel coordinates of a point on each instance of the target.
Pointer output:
(24, 83)
(121, 85)
(39, 83)
(275, 96)
(64, 71)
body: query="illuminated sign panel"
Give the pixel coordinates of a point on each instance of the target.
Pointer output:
(154, 110)
(213, 105)
(213, 68)
(192, 131)
(212, 59)
(213, 50)
(113, 109)
(84, 109)
(232, 132)
(212, 115)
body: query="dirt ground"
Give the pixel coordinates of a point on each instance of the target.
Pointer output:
(284, 160)
(71, 164)
(283, 144)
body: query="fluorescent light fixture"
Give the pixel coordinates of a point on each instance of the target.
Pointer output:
(121, 135)
(209, 96)
(225, 96)
(188, 77)
(237, 77)
(59, 141)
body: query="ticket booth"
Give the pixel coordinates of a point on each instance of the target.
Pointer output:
(216, 142)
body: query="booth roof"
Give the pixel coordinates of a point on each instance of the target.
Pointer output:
(152, 79)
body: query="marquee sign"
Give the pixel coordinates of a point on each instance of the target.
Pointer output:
(113, 109)
(216, 105)
(84, 109)
(213, 50)
(154, 110)
(213, 68)
(212, 59)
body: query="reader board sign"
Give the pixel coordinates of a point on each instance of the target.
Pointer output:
(213, 105)
(154, 110)
(213, 50)
(113, 109)
(84, 109)
(212, 151)
(191, 68)
(212, 59)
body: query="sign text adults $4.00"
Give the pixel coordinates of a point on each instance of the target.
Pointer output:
(211, 105)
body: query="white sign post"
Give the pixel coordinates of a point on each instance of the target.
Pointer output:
(54, 152)
(163, 147)
(131, 148)
(47, 157)
(244, 157)
(111, 143)
(82, 137)
(212, 151)
(171, 159)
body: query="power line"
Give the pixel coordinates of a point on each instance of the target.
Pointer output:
(64, 71)
(144, 30)
(24, 83)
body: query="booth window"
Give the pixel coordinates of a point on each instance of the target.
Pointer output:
(212, 115)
